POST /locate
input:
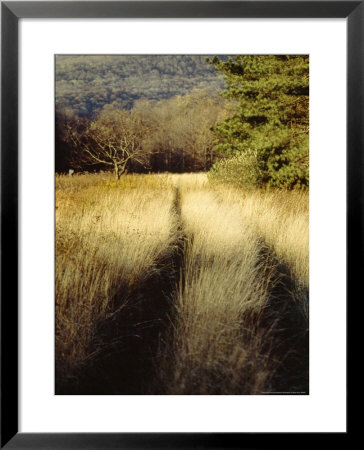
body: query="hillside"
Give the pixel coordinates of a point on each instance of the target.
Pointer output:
(86, 83)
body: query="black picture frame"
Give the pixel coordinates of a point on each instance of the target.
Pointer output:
(11, 12)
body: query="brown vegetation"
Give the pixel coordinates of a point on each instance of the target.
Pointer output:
(108, 242)
(173, 135)
(166, 284)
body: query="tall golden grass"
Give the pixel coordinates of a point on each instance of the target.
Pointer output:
(111, 237)
(218, 346)
(281, 219)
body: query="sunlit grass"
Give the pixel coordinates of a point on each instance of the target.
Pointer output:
(281, 218)
(217, 345)
(107, 242)
(112, 236)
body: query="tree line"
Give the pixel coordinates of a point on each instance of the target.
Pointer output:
(266, 139)
(168, 135)
(255, 134)
(86, 83)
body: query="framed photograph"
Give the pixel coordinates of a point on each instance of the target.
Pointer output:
(180, 221)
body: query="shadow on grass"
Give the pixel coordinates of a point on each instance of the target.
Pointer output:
(127, 344)
(285, 316)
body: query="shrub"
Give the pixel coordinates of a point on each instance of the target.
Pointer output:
(242, 171)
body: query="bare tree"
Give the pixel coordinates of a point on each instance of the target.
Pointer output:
(114, 139)
(196, 114)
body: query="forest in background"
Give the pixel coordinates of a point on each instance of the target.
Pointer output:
(185, 283)
(167, 135)
(173, 100)
(86, 83)
(254, 132)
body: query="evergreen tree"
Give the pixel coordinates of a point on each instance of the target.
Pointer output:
(271, 115)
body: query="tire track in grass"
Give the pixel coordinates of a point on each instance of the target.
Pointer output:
(217, 346)
(235, 327)
(289, 324)
(126, 361)
(215, 317)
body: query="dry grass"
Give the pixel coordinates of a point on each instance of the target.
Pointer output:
(108, 240)
(112, 237)
(281, 219)
(218, 347)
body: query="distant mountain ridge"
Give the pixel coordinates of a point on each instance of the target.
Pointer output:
(85, 83)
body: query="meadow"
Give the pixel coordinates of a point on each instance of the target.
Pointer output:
(171, 284)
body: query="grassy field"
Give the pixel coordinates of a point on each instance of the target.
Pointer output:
(166, 284)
